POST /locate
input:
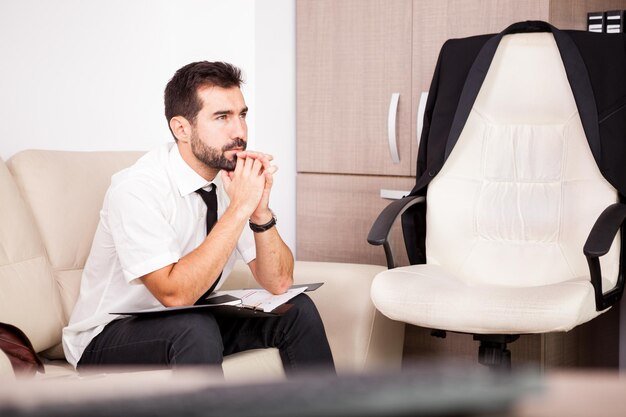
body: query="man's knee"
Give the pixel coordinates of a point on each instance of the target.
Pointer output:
(304, 343)
(304, 310)
(196, 339)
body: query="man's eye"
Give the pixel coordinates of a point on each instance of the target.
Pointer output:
(243, 115)
(222, 117)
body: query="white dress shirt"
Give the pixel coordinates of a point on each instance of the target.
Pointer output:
(151, 217)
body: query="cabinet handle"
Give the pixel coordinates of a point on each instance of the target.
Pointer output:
(420, 116)
(391, 128)
(393, 194)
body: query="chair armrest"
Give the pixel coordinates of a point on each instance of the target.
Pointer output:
(598, 244)
(379, 233)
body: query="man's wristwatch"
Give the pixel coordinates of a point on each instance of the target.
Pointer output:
(260, 228)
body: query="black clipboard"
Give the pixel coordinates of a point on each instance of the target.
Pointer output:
(220, 306)
(309, 287)
(230, 310)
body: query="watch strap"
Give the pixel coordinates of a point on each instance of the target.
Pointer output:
(260, 228)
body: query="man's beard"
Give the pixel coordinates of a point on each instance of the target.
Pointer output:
(212, 157)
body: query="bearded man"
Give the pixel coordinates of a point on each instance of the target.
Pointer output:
(170, 230)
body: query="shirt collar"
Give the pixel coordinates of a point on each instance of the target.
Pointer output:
(186, 179)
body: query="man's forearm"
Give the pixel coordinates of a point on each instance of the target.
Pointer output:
(274, 262)
(183, 282)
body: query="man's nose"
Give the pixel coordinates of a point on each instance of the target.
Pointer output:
(238, 128)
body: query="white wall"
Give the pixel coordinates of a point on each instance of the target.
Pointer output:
(89, 75)
(275, 107)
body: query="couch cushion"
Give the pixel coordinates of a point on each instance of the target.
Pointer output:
(252, 365)
(65, 191)
(26, 282)
(247, 366)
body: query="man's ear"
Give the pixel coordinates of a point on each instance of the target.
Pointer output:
(181, 128)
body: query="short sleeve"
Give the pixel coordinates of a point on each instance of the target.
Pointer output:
(246, 245)
(138, 221)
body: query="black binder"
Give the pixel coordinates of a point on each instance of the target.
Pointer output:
(615, 21)
(596, 22)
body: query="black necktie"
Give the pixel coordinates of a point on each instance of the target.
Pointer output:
(210, 199)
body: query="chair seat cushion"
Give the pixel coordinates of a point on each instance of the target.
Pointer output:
(430, 296)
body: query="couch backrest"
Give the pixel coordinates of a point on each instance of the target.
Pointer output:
(64, 191)
(29, 298)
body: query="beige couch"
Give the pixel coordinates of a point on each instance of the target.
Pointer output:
(49, 205)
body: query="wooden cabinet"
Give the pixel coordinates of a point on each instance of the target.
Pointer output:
(568, 14)
(352, 56)
(335, 214)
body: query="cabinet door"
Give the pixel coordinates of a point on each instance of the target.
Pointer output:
(352, 55)
(435, 21)
(335, 214)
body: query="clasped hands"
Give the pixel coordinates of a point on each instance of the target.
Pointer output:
(248, 186)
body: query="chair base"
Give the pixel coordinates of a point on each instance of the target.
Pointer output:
(493, 351)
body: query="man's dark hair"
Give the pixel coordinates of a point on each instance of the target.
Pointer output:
(181, 93)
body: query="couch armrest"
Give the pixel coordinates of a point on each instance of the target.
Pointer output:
(6, 370)
(360, 337)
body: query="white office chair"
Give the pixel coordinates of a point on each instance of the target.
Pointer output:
(508, 214)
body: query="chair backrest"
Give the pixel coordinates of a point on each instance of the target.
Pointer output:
(520, 191)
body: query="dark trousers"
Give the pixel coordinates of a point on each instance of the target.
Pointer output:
(197, 337)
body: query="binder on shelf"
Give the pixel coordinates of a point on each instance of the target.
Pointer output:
(615, 21)
(596, 22)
